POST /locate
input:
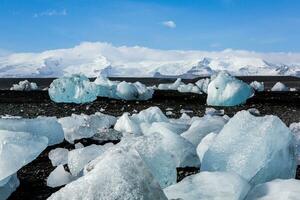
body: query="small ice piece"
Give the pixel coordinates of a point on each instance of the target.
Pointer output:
(78, 158)
(209, 185)
(184, 119)
(40, 126)
(278, 189)
(279, 87)
(144, 93)
(203, 84)
(18, 149)
(254, 148)
(172, 86)
(119, 173)
(85, 126)
(169, 113)
(24, 86)
(254, 111)
(258, 86)
(212, 111)
(11, 186)
(205, 125)
(185, 111)
(226, 90)
(205, 144)
(59, 177)
(182, 150)
(74, 89)
(293, 89)
(58, 156)
(131, 124)
(78, 145)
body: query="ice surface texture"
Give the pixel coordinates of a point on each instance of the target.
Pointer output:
(226, 90)
(258, 86)
(40, 126)
(253, 147)
(79, 89)
(17, 149)
(12, 184)
(119, 173)
(209, 186)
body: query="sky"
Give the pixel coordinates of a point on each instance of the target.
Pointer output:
(211, 25)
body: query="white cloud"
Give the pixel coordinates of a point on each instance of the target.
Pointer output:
(169, 24)
(51, 13)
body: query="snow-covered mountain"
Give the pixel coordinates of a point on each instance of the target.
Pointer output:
(92, 59)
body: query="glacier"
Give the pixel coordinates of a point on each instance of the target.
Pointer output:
(254, 148)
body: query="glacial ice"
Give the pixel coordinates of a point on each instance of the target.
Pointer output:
(73, 89)
(59, 177)
(58, 156)
(40, 126)
(78, 158)
(24, 86)
(295, 128)
(180, 86)
(279, 189)
(254, 148)
(170, 86)
(258, 86)
(17, 149)
(85, 126)
(79, 89)
(119, 173)
(226, 90)
(209, 186)
(203, 84)
(279, 87)
(205, 144)
(7, 189)
(205, 125)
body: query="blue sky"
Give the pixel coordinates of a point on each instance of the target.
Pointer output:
(258, 25)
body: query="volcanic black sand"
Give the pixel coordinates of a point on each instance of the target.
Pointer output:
(33, 177)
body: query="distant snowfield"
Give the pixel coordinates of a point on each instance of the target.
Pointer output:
(93, 58)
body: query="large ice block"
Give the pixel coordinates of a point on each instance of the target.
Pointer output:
(226, 90)
(257, 148)
(119, 173)
(209, 186)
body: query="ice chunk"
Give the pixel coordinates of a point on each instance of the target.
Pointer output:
(160, 162)
(58, 156)
(205, 144)
(183, 151)
(279, 87)
(295, 128)
(59, 177)
(17, 149)
(85, 126)
(131, 124)
(133, 91)
(226, 90)
(119, 173)
(190, 87)
(209, 185)
(12, 184)
(40, 126)
(203, 84)
(205, 125)
(213, 111)
(24, 86)
(254, 148)
(258, 86)
(78, 158)
(167, 86)
(73, 89)
(277, 189)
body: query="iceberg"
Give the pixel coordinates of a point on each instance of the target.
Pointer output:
(18, 149)
(203, 126)
(277, 189)
(203, 84)
(258, 86)
(24, 86)
(85, 126)
(279, 87)
(59, 177)
(254, 148)
(7, 189)
(73, 89)
(58, 156)
(119, 173)
(209, 186)
(40, 126)
(226, 90)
